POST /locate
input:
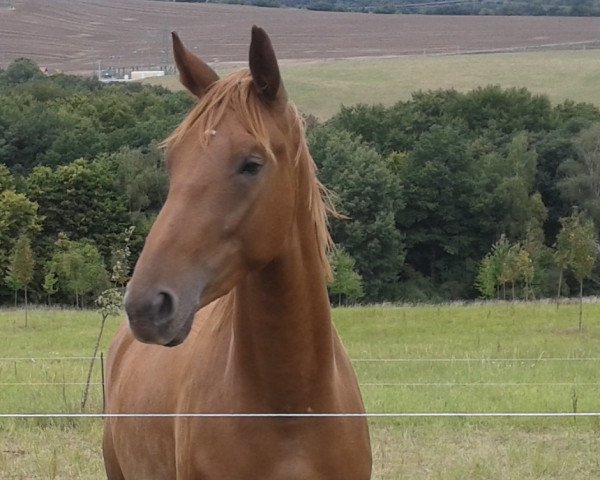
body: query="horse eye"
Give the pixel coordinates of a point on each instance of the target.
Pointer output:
(250, 167)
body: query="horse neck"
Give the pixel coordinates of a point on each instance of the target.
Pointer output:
(283, 335)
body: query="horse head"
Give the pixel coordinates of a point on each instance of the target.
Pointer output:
(232, 193)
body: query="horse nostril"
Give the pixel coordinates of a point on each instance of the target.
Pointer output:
(163, 307)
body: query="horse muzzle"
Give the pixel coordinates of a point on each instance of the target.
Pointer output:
(157, 317)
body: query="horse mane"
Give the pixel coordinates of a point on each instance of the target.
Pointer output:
(237, 92)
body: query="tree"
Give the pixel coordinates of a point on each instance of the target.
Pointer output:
(20, 271)
(7, 181)
(539, 253)
(581, 182)
(50, 284)
(468, 166)
(488, 277)
(141, 176)
(20, 71)
(79, 267)
(498, 268)
(562, 254)
(438, 213)
(120, 261)
(368, 195)
(18, 216)
(347, 283)
(525, 271)
(577, 249)
(506, 263)
(109, 302)
(491, 276)
(30, 128)
(519, 203)
(54, 121)
(511, 268)
(14, 287)
(80, 200)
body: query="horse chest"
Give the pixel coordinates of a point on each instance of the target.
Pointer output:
(270, 450)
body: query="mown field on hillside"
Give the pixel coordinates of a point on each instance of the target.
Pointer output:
(478, 358)
(81, 36)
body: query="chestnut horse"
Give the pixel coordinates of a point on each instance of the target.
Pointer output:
(233, 278)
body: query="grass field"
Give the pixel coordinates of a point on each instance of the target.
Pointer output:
(321, 87)
(485, 358)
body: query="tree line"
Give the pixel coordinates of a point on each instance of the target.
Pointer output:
(79, 165)
(433, 7)
(430, 186)
(433, 190)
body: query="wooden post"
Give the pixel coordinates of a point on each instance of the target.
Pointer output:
(102, 376)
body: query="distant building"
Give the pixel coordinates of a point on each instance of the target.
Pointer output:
(141, 74)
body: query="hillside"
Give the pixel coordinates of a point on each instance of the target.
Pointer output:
(79, 35)
(434, 7)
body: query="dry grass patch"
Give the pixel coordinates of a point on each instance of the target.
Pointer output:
(483, 452)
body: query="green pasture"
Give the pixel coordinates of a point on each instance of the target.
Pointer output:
(477, 358)
(320, 87)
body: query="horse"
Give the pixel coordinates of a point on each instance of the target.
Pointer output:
(227, 306)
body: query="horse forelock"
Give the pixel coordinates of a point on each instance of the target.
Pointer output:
(236, 92)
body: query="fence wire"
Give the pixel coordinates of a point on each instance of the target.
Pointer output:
(359, 360)
(306, 415)
(332, 415)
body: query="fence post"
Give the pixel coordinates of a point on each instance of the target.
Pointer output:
(102, 376)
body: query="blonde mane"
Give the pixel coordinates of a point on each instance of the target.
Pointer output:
(237, 92)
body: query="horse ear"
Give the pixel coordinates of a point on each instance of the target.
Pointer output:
(264, 68)
(194, 74)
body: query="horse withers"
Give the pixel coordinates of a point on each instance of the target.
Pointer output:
(233, 278)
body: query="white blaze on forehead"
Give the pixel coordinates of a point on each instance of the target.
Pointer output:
(210, 133)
